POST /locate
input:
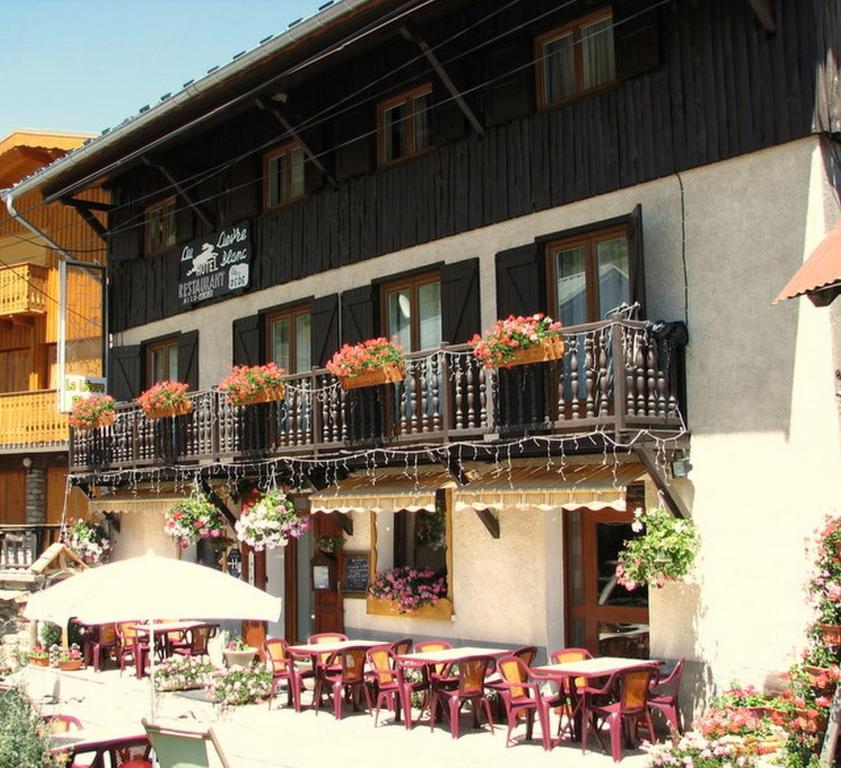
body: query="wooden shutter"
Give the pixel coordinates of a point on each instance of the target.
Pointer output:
(637, 262)
(324, 328)
(358, 315)
(125, 372)
(188, 358)
(460, 308)
(636, 37)
(520, 281)
(248, 340)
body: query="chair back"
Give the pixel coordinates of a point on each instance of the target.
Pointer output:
(401, 647)
(107, 634)
(126, 632)
(62, 723)
(526, 653)
(276, 650)
(633, 688)
(381, 661)
(564, 655)
(326, 637)
(429, 646)
(471, 675)
(198, 639)
(672, 681)
(353, 664)
(177, 748)
(512, 669)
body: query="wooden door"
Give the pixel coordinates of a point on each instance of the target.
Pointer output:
(329, 604)
(602, 615)
(254, 573)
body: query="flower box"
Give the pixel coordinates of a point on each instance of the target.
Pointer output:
(390, 373)
(71, 665)
(173, 410)
(831, 634)
(267, 395)
(92, 412)
(550, 348)
(442, 610)
(251, 384)
(39, 662)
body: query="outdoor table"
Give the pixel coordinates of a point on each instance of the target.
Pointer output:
(161, 629)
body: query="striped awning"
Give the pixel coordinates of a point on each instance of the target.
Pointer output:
(130, 502)
(383, 491)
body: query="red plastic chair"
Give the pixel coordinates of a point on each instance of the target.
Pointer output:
(130, 645)
(568, 699)
(526, 654)
(628, 709)
(283, 668)
(105, 639)
(198, 641)
(382, 676)
(663, 696)
(344, 672)
(401, 647)
(470, 687)
(520, 694)
(62, 723)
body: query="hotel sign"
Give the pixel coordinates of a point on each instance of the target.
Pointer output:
(215, 265)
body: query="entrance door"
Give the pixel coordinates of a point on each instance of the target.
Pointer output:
(254, 573)
(602, 615)
(329, 604)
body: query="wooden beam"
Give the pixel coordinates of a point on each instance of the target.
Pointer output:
(217, 502)
(765, 13)
(182, 193)
(94, 223)
(93, 205)
(344, 522)
(490, 519)
(673, 501)
(290, 129)
(445, 79)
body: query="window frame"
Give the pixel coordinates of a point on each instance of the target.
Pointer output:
(170, 230)
(605, 12)
(290, 313)
(588, 239)
(405, 97)
(284, 149)
(149, 348)
(413, 283)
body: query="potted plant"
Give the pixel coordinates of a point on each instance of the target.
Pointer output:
(192, 519)
(238, 653)
(39, 656)
(409, 589)
(182, 673)
(70, 659)
(328, 544)
(663, 552)
(249, 384)
(166, 398)
(520, 340)
(825, 594)
(88, 541)
(270, 522)
(367, 364)
(92, 412)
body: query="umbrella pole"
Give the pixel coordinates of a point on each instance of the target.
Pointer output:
(152, 671)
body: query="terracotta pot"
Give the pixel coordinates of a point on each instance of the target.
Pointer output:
(819, 678)
(175, 410)
(39, 662)
(266, 395)
(390, 373)
(550, 348)
(808, 722)
(239, 658)
(70, 666)
(831, 634)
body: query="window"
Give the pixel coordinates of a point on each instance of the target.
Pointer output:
(162, 361)
(403, 125)
(160, 226)
(289, 339)
(420, 539)
(575, 59)
(283, 171)
(589, 275)
(412, 312)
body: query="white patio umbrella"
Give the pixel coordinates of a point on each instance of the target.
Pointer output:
(151, 588)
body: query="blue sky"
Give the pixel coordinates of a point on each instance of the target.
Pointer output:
(84, 65)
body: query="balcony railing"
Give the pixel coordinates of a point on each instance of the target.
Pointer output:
(22, 545)
(23, 290)
(615, 375)
(32, 420)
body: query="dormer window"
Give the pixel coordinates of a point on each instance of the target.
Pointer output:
(403, 125)
(283, 172)
(575, 59)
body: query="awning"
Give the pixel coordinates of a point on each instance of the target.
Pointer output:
(594, 486)
(820, 275)
(383, 492)
(129, 502)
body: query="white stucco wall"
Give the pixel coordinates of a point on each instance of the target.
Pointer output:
(761, 407)
(140, 532)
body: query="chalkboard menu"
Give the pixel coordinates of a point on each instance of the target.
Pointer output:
(357, 573)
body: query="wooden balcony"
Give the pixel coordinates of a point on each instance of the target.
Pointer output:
(23, 290)
(22, 545)
(32, 420)
(615, 376)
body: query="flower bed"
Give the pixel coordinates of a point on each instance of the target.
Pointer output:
(166, 398)
(253, 384)
(271, 522)
(91, 412)
(192, 519)
(183, 673)
(409, 589)
(694, 750)
(237, 686)
(371, 362)
(88, 541)
(506, 343)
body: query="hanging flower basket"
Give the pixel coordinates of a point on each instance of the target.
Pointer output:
(92, 412)
(270, 522)
(166, 398)
(88, 541)
(368, 364)
(520, 341)
(192, 519)
(248, 385)
(328, 544)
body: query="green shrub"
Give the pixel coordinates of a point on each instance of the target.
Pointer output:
(24, 741)
(50, 634)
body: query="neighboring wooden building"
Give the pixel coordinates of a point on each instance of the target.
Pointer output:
(421, 171)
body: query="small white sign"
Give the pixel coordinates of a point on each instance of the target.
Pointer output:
(238, 277)
(77, 387)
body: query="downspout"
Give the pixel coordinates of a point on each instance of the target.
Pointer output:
(9, 198)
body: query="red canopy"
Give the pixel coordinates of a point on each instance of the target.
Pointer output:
(820, 276)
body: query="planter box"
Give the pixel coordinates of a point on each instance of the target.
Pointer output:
(175, 410)
(551, 348)
(266, 395)
(239, 658)
(106, 419)
(390, 373)
(39, 662)
(440, 611)
(70, 666)
(831, 634)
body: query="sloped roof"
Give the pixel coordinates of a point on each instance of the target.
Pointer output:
(819, 277)
(24, 151)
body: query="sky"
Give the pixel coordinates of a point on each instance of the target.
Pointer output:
(85, 65)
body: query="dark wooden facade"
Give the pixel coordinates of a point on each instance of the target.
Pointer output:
(698, 81)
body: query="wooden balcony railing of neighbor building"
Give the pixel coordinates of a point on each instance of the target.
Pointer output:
(21, 545)
(617, 376)
(31, 420)
(23, 290)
